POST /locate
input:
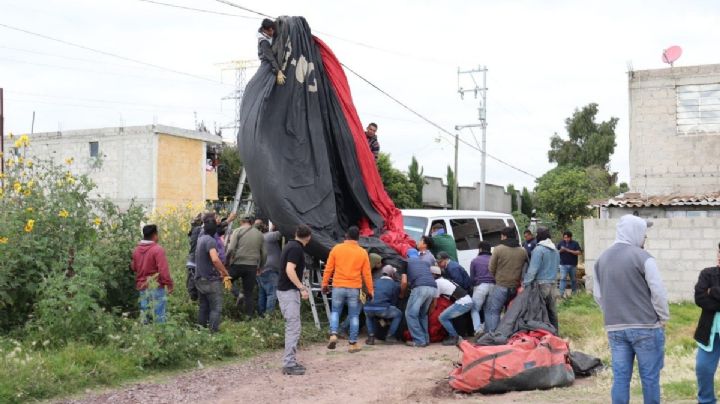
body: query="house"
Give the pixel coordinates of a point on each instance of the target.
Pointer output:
(674, 173)
(434, 196)
(154, 165)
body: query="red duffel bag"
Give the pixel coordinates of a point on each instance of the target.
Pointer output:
(530, 361)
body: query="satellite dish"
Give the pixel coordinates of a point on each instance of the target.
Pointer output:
(671, 54)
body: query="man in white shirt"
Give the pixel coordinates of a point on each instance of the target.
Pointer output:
(462, 303)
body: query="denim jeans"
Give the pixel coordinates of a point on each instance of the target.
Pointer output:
(210, 296)
(480, 294)
(648, 345)
(499, 298)
(416, 313)
(340, 297)
(456, 310)
(153, 299)
(566, 270)
(389, 313)
(706, 365)
(267, 292)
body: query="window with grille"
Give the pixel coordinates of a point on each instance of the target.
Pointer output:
(698, 108)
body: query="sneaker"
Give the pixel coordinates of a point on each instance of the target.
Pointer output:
(391, 340)
(450, 341)
(332, 342)
(370, 340)
(294, 371)
(354, 347)
(479, 333)
(412, 344)
(298, 365)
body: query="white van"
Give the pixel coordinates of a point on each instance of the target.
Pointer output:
(468, 227)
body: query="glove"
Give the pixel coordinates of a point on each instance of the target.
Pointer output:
(280, 80)
(227, 281)
(326, 290)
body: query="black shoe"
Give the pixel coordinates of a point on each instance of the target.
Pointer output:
(294, 371)
(391, 340)
(450, 341)
(370, 340)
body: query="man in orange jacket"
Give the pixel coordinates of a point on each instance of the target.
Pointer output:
(349, 266)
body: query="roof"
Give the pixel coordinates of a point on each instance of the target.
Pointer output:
(452, 213)
(131, 130)
(636, 200)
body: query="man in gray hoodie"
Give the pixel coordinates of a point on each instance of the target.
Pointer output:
(630, 292)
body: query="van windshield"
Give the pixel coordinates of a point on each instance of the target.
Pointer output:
(415, 226)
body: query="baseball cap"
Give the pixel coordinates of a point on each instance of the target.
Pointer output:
(436, 270)
(389, 270)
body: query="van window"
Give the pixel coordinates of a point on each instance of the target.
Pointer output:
(415, 226)
(490, 229)
(466, 233)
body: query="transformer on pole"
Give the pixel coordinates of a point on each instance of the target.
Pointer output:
(481, 91)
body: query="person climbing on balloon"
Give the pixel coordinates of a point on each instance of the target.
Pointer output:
(265, 36)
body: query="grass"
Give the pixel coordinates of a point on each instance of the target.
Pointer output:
(582, 323)
(30, 372)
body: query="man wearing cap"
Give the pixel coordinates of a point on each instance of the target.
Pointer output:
(630, 292)
(384, 305)
(246, 254)
(543, 270)
(422, 295)
(462, 303)
(443, 241)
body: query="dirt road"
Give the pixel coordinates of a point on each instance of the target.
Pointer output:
(378, 374)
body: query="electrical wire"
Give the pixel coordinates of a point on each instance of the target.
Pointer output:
(200, 10)
(231, 4)
(102, 52)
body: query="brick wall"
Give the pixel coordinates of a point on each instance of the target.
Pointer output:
(662, 161)
(681, 246)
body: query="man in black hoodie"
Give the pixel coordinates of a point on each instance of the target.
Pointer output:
(707, 296)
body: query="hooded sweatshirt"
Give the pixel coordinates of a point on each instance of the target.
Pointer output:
(627, 283)
(149, 259)
(544, 263)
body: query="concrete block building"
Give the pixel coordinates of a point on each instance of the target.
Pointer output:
(155, 165)
(674, 173)
(496, 199)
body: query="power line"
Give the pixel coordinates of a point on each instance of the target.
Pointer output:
(419, 115)
(231, 4)
(200, 10)
(102, 52)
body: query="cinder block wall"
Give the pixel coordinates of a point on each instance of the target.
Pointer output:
(681, 246)
(663, 161)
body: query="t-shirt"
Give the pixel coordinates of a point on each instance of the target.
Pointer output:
(565, 257)
(428, 257)
(204, 267)
(529, 246)
(418, 273)
(447, 288)
(293, 252)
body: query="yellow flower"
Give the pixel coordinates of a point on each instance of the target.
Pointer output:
(30, 184)
(3, 240)
(24, 140)
(29, 163)
(17, 187)
(29, 226)
(64, 213)
(97, 221)
(69, 160)
(27, 192)
(21, 160)
(29, 210)
(70, 180)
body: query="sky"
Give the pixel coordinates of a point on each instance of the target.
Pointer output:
(544, 59)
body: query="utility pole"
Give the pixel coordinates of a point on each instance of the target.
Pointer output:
(455, 175)
(482, 117)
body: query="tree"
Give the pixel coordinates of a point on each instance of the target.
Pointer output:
(526, 203)
(415, 175)
(450, 177)
(589, 144)
(513, 197)
(397, 185)
(564, 193)
(229, 170)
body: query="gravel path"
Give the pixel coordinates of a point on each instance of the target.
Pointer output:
(378, 374)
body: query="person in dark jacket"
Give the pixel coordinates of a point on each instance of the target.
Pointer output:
(193, 235)
(454, 271)
(265, 36)
(384, 305)
(443, 242)
(707, 297)
(530, 242)
(149, 261)
(371, 134)
(482, 281)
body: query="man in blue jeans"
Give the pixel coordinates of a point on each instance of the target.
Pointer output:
(384, 305)
(422, 298)
(506, 265)
(630, 292)
(462, 303)
(569, 251)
